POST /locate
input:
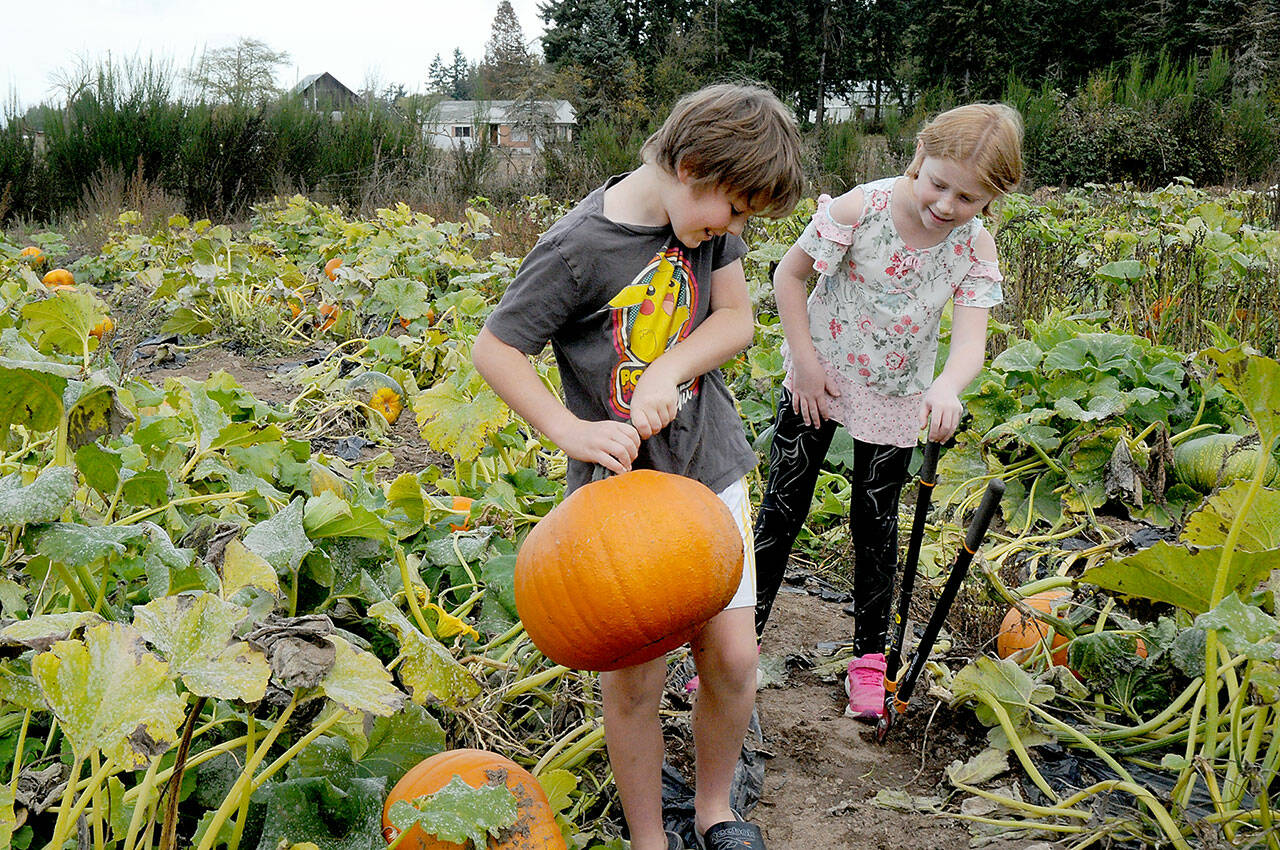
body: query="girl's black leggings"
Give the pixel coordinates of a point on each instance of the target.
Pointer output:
(795, 459)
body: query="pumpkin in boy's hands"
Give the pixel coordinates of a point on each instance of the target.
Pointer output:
(625, 569)
(535, 827)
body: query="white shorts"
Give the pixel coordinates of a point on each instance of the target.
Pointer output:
(735, 497)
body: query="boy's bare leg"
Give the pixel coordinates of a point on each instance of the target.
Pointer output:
(725, 652)
(633, 736)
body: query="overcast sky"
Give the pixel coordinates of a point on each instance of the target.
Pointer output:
(390, 41)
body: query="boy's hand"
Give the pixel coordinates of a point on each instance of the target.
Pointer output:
(655, 402)
(613, 445)
(811, 390)
(940, 412)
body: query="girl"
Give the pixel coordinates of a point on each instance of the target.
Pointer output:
(889, 254)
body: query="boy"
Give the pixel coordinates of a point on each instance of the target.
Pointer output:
(640, 291)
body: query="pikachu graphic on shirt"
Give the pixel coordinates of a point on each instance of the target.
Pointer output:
(650, 315)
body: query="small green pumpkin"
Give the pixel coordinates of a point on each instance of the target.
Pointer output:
(1209, 461)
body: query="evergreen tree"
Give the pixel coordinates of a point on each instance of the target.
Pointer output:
(462, 77)
(439, 80)
(508, 65)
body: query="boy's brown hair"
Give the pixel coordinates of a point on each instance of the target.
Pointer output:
(987, 136)
(735, 136)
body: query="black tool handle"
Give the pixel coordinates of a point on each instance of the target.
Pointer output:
(977, 531)
(924, 496)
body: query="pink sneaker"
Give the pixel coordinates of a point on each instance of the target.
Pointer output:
(865, 686)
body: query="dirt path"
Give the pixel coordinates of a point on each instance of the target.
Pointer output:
(826, 767)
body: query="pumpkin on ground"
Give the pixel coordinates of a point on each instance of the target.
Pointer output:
(1018, 631)
(58, 278)
(1206, 462)
(104, 327)
(331, 268)
(535, 827)
(461, 506)
(625, 569)
(33, 256)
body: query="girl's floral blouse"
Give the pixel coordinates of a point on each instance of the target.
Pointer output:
(875, 312)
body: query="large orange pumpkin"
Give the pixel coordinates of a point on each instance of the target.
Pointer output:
(535, 827)
(625, 569)
(58, 277)
(1018, 631)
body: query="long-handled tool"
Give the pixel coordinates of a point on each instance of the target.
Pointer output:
(924, 496)
(898, 691)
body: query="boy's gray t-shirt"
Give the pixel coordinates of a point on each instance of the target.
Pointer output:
(610, 298)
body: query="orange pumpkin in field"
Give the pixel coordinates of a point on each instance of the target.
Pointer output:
(329, 314)
(331, 268)
(59, 278)
(1018, 631)
(535, 827)
(33, 256)
(625, 569)
(461, 506)
(104, 327)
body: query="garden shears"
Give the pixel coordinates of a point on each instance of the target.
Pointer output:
(898, 690)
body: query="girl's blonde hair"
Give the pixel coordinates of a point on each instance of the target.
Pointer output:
(987, 136)
(738, 137)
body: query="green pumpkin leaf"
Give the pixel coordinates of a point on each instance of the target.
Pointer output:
(1171, 573)
(1209, 525)
(1255, 381)
(394, 745)
(403, 297)
(100, 467)
(194, 633)
(82, 545)
(1023, 356)
(64, 321)
(31, 397)
(458, 812)
(43, 500)
(358, 681)
(187, 322)
(44, 630)
(559, 786)
(242, 434)
(149, 488)
(429, 670)
(282, 540)
(8, 822)
(110, 694)
(1102, 656)
(323, 814)
(988, 681)
(329, 515)
(20, 691)
(1243, 629)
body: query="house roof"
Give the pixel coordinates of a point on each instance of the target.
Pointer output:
(310, 80)
(499, 111)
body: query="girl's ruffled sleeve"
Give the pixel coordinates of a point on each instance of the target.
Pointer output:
(825, 239)
(980, 286)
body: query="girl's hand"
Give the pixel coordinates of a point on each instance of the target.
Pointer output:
(811, 391)
(940, 412)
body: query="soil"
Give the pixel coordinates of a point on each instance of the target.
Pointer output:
(826, 768)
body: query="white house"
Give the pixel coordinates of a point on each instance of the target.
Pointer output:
(517, 127)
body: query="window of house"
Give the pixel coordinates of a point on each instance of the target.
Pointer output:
(462, 131)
